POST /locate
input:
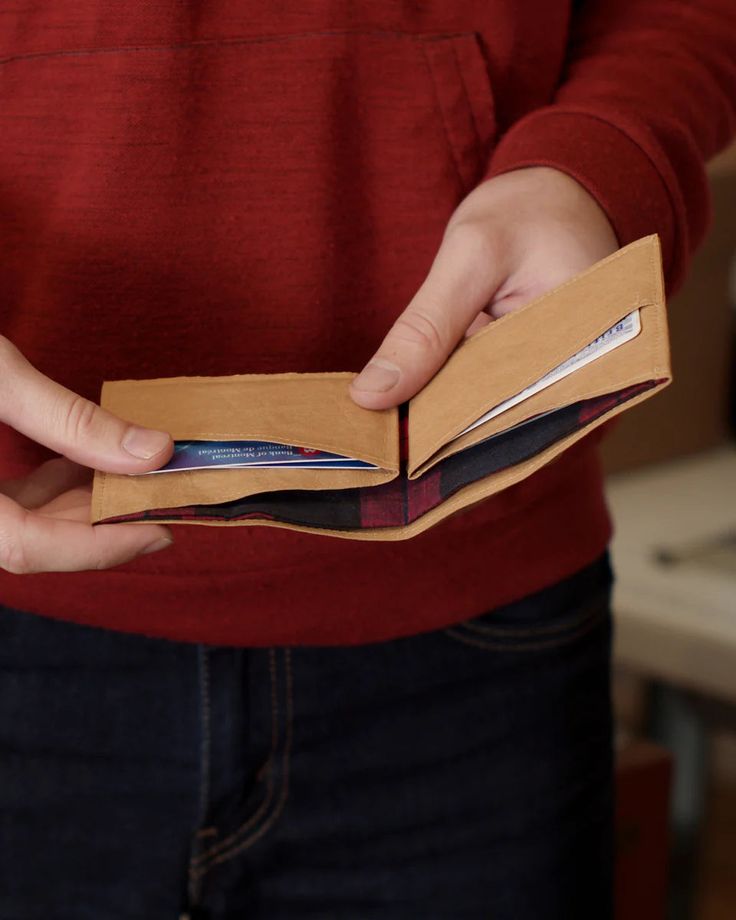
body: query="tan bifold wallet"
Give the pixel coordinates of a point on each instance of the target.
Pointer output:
(509, 400)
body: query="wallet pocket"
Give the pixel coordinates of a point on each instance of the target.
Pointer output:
(304, 410)
(488, 468)
(513, 352)
(645, 358)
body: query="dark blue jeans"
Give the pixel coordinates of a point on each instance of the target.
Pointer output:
(464, 773)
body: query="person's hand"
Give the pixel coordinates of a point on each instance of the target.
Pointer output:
(513, 238)
(44, 517)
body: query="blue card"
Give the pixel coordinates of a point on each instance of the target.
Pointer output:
(200, 455)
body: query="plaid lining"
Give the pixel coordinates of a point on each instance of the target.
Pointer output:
(402, 500)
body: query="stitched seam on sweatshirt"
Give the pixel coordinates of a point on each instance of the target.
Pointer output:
(573, 110)
(468, 98)
(231, 42)
(454, 156)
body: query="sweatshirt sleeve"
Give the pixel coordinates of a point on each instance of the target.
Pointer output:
(647, 97)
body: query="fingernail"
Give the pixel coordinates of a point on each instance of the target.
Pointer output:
(377, 376)
(157, 545)
(144, 443)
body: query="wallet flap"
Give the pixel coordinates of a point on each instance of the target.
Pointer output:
(646, 357)
(516, 350)
(306, 410)
(497, 482)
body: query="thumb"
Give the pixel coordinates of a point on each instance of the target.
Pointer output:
(52, 415)
(463, 278)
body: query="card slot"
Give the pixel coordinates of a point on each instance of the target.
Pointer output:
(491, 485)
(305, 410)
(118, 496)
(644, 357)
(513, 352)
(202, 455)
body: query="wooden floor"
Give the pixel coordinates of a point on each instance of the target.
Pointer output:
(717, 886)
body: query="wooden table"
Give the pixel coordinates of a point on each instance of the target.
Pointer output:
(674, 553)
(677, 621)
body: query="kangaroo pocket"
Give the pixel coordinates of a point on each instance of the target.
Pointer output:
(240, 206)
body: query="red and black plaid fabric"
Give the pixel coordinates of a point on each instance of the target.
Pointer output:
(403, 500)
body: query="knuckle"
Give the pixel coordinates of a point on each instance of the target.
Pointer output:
(100, 559)
(9, 355)
(420, 329)
(473, 235)
(7, 350)
(78, 417)
(13, 557)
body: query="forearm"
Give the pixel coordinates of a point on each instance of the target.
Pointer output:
(648, 96)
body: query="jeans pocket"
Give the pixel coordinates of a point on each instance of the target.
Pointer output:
(552, 618)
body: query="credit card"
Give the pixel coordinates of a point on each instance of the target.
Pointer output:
(202, 455)
(624, 331)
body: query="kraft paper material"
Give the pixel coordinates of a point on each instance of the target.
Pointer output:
(315, 410)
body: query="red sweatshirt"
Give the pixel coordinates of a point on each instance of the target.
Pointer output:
(237, 187)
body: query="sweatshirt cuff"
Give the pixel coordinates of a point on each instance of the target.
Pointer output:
(609, 164)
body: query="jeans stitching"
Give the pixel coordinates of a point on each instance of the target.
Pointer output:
(591, 609)
(197, 865)
(286, 758)
(582, 630)
(205, 757)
